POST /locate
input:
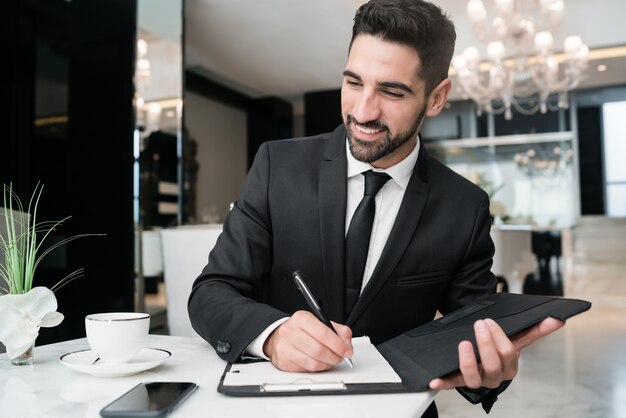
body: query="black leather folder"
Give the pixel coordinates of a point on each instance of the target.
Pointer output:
(430, 351)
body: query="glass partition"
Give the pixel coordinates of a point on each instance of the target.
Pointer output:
(158, 107)
(530, 178)
(158, 174)
(614, 151)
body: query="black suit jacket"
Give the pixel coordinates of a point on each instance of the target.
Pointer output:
(291, 215)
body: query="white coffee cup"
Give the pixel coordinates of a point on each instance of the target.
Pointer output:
(116, 337)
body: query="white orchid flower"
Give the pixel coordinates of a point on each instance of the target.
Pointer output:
(21, 317)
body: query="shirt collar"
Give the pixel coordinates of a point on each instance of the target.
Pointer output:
(400, 172)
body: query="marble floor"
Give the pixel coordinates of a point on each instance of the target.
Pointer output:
(580, 371)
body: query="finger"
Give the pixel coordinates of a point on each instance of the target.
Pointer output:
(324, 344)
(437, 384)
(294, 360)
(293, 349)
(320, 357)
(447, 382)
(345, 332)
(468, 365)
(545, 327)
(489, 356)
(509, 355)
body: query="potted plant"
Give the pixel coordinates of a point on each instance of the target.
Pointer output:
(24, 309)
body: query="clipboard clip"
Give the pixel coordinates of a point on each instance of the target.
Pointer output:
(302, 386)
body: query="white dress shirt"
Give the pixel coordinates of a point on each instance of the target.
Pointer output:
(388, 201)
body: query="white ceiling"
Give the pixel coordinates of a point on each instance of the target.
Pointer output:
(287, 47)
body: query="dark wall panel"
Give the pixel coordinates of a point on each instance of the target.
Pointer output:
(592, 199)
(83, 51)
(269, 119)
(322, 111)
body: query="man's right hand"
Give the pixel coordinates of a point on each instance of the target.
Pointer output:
(304, 344)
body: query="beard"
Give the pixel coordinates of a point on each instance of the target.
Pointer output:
(368, 152)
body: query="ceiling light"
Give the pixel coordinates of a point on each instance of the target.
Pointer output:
(521, 61)
(601, 68)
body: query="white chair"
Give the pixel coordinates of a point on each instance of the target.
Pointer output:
(185, 253)
(514, 257)
(150, 267)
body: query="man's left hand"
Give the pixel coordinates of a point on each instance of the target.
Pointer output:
(499, 355)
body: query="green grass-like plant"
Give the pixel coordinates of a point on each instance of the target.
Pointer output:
(22, 245)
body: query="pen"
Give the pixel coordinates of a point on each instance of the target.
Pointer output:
(315, 306)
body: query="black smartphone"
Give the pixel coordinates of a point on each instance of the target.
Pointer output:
(153, 399)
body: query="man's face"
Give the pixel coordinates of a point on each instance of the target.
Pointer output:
(382, 100)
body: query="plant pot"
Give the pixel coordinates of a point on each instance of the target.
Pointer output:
(24, 359)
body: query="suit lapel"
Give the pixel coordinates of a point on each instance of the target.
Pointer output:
(403, 230)
(332, 214)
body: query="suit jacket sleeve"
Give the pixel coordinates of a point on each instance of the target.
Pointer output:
(224, 305)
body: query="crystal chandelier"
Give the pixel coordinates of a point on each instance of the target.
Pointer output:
(522, 70)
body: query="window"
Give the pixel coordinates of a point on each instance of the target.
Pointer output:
(614, 152)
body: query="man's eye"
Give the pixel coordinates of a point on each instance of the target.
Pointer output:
(393, 94)
(353, 83)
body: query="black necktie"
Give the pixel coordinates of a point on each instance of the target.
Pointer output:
(358, 237)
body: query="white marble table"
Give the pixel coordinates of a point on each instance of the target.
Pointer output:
(49, 389)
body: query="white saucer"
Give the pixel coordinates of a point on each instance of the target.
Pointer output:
(82, 361)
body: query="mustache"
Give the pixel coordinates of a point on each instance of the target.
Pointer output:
(372, 124)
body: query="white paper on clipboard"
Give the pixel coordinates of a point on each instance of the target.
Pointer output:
(369, 367)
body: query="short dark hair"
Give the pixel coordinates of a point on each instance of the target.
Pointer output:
(415, 23)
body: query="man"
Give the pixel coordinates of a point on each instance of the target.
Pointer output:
(429, 247)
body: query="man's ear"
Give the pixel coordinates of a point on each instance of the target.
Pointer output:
(438, 97)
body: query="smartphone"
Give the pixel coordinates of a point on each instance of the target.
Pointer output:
(153, 399)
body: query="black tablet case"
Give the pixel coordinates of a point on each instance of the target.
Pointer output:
(430, 351)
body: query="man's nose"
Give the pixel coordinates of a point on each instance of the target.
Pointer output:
(366, 108)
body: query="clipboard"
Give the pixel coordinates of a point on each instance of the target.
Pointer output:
(430, 350)
(302, 388)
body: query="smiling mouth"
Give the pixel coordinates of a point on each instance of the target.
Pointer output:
(368, 128)
(367, 131)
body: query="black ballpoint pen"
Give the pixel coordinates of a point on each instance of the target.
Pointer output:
(315, 306)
